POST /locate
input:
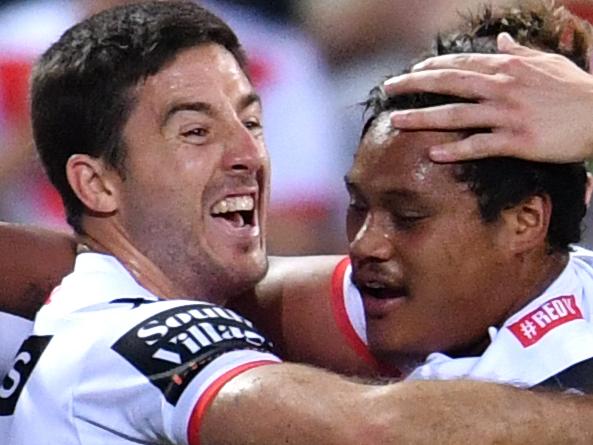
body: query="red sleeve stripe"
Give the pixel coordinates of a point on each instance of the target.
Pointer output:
(195, 421)
(342, 318)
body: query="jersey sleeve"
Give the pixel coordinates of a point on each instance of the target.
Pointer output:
(166, 370)
(348, 312)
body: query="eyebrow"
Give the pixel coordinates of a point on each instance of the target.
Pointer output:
(403, 195)
(206, 108)
(388, 193)
(199, 107)
(248, 100)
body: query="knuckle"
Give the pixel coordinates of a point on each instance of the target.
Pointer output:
(424, 64)
(504, 84)
(511, 64)
(525, 139)
(472, 147)
(557, 58)
(470, 59)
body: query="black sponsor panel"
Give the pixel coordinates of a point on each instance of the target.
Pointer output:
(578, 377)
(23, 366)
(173, 346)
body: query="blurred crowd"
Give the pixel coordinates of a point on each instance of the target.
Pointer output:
(312, 62)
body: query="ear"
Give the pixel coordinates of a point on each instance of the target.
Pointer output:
(93, 183)
(589, 189)
(527, 223)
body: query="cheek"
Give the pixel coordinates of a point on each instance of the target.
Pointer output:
(460, 266)
(187, 180)
(446, 258)
(189, 161)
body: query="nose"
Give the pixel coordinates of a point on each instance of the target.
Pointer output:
(244, 152)
(373, 241)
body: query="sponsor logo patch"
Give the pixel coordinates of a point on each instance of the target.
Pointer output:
(173, 346)
(23, 365)
(553, 313)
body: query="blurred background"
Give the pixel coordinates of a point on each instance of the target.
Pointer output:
(312, 61)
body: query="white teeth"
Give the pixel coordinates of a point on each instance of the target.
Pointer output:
(234, 204)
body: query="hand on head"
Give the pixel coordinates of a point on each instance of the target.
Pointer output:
(538, 105)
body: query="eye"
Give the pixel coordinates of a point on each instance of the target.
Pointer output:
(197, 132)
(254, 125)
(196, 135)
(407, 221)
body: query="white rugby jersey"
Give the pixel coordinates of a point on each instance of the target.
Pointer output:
(110, 363)
(13, 331)
(547, 343)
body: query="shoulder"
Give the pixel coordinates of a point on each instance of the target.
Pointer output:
(176, 333)
(155, 362)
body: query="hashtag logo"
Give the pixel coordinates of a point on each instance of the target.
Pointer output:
(528, 329)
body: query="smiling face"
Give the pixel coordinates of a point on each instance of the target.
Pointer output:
(430, 270)
(195, 192)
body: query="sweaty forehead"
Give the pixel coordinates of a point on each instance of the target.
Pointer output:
(388, 157)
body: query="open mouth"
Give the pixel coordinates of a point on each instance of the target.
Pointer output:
(238, 211)
(382, 291)
(379, 298)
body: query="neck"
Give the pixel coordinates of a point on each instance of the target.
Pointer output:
(102, 237)
(537, 274)
(531, 274)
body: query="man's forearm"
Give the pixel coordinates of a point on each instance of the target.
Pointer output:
(293, 404)
(462, 411)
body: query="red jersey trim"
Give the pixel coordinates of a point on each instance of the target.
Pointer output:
(195, 420)
(342, 319)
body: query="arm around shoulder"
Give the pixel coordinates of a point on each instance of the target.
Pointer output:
(32, 263)
(293, 404)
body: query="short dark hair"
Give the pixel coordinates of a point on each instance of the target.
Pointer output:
(502, 182)
(82, 86)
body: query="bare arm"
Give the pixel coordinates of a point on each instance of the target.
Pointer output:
(32, 263)
(293, 404)
(539, 105)
(292, 306)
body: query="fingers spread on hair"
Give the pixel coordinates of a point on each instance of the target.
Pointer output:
(449, 117)
(467, 84)
(483, 63)
(476, 146)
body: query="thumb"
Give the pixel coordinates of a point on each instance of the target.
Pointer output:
(506, 44)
